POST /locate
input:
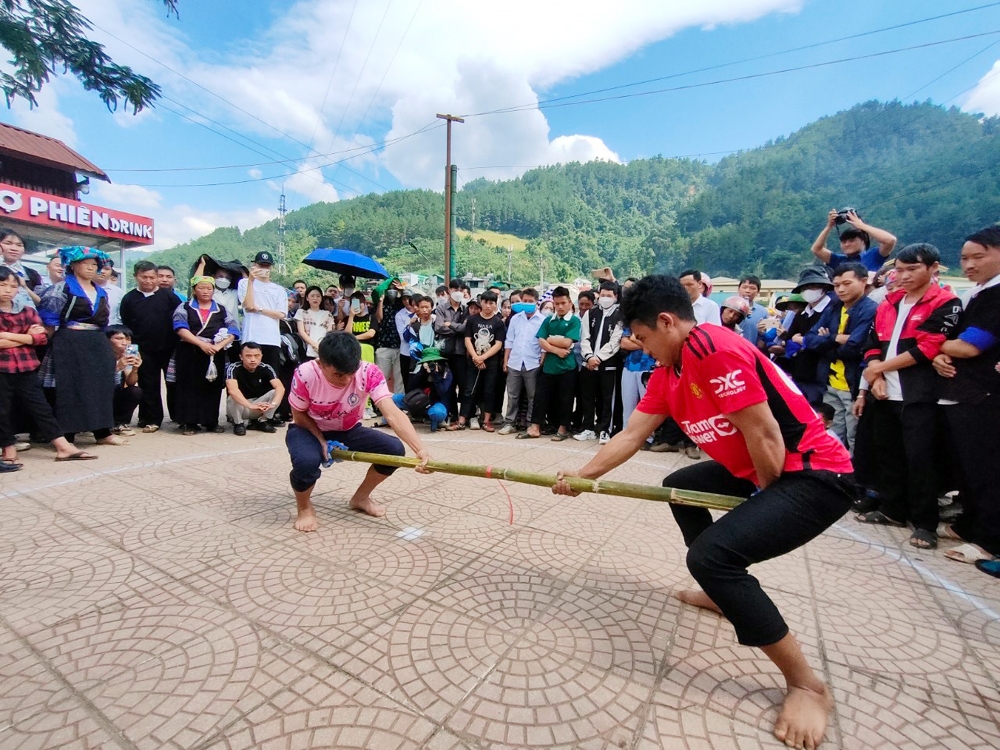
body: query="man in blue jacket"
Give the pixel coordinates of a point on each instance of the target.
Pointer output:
(839, 338)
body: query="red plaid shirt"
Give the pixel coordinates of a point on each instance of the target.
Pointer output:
(21, 358)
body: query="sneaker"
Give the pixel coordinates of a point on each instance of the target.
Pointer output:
(369, 413)
(665, 448)
(693, 452)
(123, 429)
(268, 427)
(239, 429)
(605, 438)
(22, 446)
(585, 435)
(507, 429)
(474, 424)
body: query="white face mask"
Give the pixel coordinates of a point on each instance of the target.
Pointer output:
(812, 296)
(606, 303)
(222, 283)
(457, 296)
(348, 291)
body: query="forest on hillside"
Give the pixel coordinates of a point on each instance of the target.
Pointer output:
(924, 172)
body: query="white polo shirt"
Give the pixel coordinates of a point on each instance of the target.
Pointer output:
(256, 326)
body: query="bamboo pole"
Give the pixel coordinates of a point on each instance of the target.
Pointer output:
(600, 487)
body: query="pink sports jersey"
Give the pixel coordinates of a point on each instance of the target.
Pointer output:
(336, 409)
(720, 373)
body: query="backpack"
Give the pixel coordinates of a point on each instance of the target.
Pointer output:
(417, 402)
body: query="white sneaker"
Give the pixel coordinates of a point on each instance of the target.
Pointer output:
(507, 429)
(369, 413)
(605, 437)
(585, 435)
(473, 424)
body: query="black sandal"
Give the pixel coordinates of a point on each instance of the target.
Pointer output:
(923, 539)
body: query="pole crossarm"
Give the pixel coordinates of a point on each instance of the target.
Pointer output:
(597, 486)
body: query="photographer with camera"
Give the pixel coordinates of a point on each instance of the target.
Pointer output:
(855, 242)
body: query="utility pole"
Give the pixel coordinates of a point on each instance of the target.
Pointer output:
(510, 262)
(448, 188)
(473, 227)
(281, 232)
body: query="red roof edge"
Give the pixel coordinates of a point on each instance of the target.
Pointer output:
(42, 149)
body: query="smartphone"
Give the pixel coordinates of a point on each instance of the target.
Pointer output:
(770, 323)
(132, 350)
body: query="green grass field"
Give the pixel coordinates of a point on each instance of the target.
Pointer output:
(495, 238)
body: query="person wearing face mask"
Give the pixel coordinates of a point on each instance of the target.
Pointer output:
(347, 288)
(264, 305)
(601, 347)
(522, 356)
(815, 287)
(387, 341)
(362, 325)
(450, 318)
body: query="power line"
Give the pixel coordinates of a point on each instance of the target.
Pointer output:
(329, 83)
(748, 77)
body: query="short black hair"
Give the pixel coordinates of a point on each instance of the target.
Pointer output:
(250, 345)
(423, 298)
(560, 291)
(919, 252)
(340, 350)
(755, 280)
(825, 410)
(587, 294)
(653, 295)
(858, 269)
(455, 284)
(166, 268)
(441, 290)
(690, 272)
(987, 236)
(6, 273)
(113, 329)
(529, 292)
(512, 292)
(610, 286)
(345, 277)
(143, 266)
(852, 233)
(633, 279)
(488, 296)
(298, 281)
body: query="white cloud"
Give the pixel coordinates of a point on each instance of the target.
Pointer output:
(183, 223)
(255, 173)
(116, 195)
(309, 182)
(985, 97)
(46, 117)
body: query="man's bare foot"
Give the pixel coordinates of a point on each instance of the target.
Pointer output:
(367, 505)
(802, 721)
(306, 521)
(697, 599)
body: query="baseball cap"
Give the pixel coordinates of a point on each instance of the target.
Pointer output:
(264, 257)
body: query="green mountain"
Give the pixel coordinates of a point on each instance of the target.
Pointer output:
(923, 172)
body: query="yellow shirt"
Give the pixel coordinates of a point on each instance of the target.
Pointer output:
(838, 380)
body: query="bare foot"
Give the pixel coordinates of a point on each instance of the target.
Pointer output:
(802, 721)
(367, 505)
(306, 521)
(697, 599)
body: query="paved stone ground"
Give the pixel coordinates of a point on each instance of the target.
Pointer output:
(159, 598)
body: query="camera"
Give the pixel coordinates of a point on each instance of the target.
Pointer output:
(842, 215)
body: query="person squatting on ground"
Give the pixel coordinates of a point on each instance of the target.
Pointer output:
(254, 391)
(766, 444)
(430, 389)
(328, 398)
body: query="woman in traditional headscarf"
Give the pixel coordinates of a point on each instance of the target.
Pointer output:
(205, 329)
(80, 359)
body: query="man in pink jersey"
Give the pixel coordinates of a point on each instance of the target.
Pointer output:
(766, 444)
(328, 397)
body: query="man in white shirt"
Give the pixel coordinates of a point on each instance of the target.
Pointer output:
(402, 320)
(705, 310)
(522, 356)
(264, 304)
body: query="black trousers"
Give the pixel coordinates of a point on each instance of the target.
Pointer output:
(975, 432)
(480, 388)
(597, 390)
(459, 369)
(126, 400)
(906, 438)
(151, 375)
(25, 389)
(405, 365)
(554, 391)
(796, 508)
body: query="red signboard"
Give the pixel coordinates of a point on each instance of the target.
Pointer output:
(48, 210)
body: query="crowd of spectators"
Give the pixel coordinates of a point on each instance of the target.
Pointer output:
(904, 372)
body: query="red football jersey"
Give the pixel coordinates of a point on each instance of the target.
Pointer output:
(720, 373)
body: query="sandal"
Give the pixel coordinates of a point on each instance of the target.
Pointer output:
(526, 436)
(923, 539)
(487, 427)
(7, 465)
(78, 456)
(151, 428)
(947, 531)
(113, 440)
(457, 426)
(968, 554)
(879, 518)
(989, 567)
(560, 436)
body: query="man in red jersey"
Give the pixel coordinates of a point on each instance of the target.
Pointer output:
(766, 444)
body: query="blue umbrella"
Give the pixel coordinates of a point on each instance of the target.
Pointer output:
(348, 262)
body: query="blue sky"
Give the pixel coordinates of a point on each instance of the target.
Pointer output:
(308, 80)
